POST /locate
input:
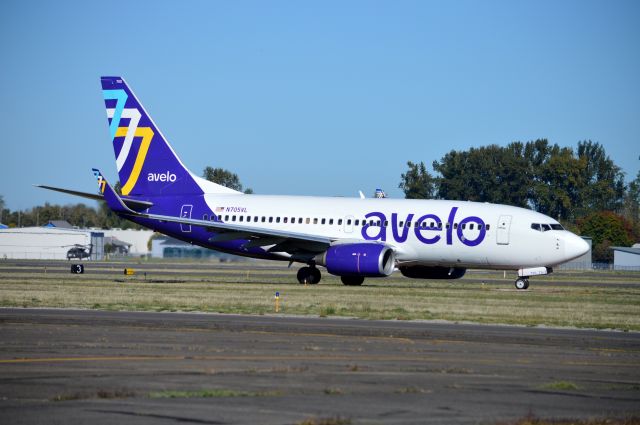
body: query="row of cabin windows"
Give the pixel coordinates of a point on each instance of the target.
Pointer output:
(349, 222)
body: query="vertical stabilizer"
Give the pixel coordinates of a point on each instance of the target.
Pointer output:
(147, 165)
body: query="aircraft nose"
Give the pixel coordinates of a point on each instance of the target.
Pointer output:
(575, 246)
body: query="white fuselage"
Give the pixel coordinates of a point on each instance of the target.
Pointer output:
(426, 232)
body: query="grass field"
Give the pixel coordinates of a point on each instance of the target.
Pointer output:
(585, 299)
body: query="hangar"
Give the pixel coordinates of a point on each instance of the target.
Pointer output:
(48, 243)
(625, 258)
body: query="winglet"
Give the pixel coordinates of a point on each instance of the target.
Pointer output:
(110, 196)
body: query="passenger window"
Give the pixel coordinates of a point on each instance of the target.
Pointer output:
(455, 225)
(324, 220)
(255, 219)
(340, 222)
(226, 218)
(448, 225)
(471, 226)
(285, 219)
(270, 219)
(401, 224)
(315, 221)
(357, 223)
(440, 225)
(264, 219)
(379, 223)
(487, 227)
(300, 220)
(408, 224)
(241, 218)
(479, 226)
(277, 219)
(205, 217)
(293, 220)
(464, 225)
(349, 222)
(233, 218)
(386, 223)
(330, 221)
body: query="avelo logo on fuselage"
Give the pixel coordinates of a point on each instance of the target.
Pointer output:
(161, 177)
(426, 234)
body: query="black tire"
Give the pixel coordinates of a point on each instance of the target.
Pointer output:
(309, 276)
(526, 284)
(304, 275)
(521, 284)
(315, 276)
(352, 280)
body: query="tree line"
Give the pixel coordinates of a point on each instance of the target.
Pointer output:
(581, 187)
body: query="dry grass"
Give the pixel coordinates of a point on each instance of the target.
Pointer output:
(239, 289)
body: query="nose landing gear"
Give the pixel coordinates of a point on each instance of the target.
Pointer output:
(522, 283)
(309, 275)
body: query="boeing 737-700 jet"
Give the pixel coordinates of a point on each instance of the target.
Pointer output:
(352, 238)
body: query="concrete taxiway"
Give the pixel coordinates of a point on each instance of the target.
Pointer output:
(61, 366)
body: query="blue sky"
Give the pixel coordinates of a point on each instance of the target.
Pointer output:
(316, 98)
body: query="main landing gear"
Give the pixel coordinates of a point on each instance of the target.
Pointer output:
(309, 275)
(522, 283)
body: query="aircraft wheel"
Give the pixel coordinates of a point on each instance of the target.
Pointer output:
(522, 283)
(316, 276)
(308, 275)
(352, 280)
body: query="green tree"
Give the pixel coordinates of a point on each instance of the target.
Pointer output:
(557, 184)
(631, 206)
(225, 178)
(606, 229)
(602, 185)
(417, 183)
(486, 174)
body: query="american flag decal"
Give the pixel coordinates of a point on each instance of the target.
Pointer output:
(219, 209)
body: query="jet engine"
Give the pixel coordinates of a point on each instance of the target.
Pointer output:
(358, 259)
(432, 272)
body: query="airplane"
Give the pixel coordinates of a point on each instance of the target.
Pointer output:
(353, 238)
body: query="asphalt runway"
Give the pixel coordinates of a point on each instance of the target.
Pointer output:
(62, 366)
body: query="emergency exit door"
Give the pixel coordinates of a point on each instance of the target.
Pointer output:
(185, 212)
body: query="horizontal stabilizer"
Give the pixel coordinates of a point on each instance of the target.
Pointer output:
(134, 204)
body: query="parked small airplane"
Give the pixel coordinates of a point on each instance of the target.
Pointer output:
(353, 238)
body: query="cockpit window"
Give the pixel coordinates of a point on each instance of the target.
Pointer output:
(544, 227)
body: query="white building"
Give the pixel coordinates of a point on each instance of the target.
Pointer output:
(48, 243)
(625, 258)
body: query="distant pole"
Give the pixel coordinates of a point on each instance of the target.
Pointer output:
(19, 219)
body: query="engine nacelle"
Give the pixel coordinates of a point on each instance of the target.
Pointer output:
(358, 259)
(432, 272)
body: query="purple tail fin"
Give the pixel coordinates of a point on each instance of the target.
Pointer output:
(147, 165)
